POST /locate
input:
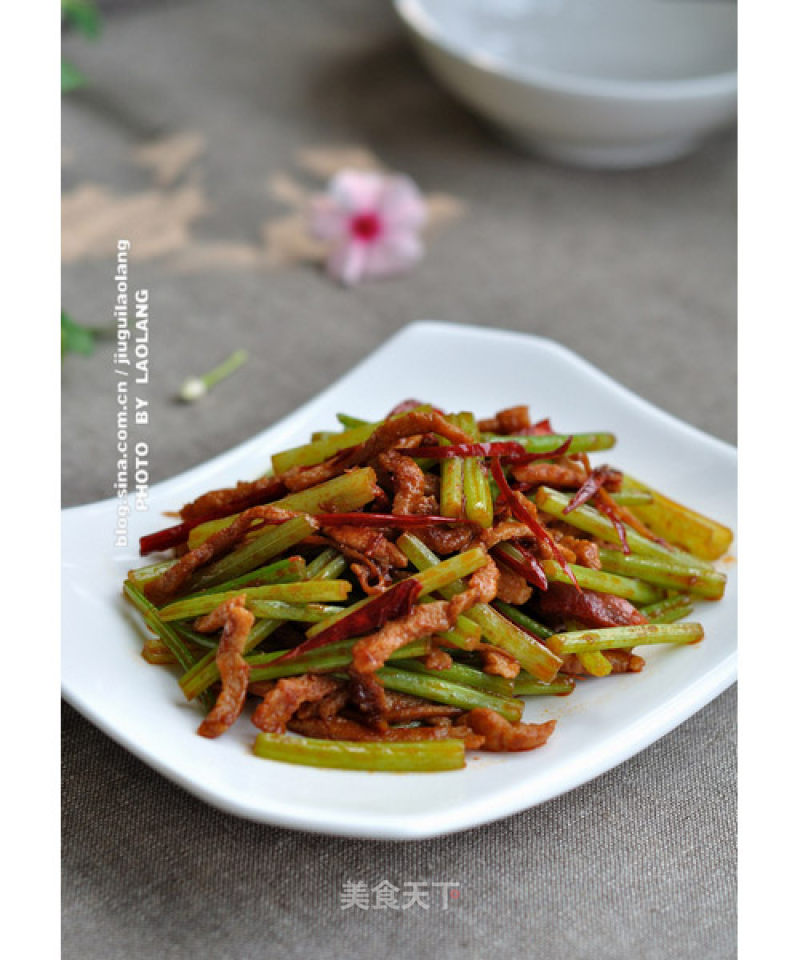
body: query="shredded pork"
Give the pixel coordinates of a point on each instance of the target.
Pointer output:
(553, 474)
(372, 651)
(281, 703)
(501, 736)
(234, 672)
(512, 587)
(221, 502)
(508, 422)
(409, 485)
(497, 662)
(166, 586)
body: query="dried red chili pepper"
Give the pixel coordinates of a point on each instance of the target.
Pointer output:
(523, 511)
(178, 534)
(607, 507)
(528, 567)
(593, 609)
(507, 449)
(396, 602)
(598, 478)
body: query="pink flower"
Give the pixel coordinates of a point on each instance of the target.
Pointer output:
(371, 222)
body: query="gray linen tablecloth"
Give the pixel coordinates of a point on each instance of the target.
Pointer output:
(200, 124)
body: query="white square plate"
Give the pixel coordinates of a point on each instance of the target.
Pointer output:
(601, 724)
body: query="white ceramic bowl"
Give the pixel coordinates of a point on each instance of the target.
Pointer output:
(604, 83)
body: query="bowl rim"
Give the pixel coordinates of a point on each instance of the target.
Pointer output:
(419, 21)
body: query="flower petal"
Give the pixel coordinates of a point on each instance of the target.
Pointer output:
(356, 191)
(347, 262)
(394, 253)
(401, 203)
(327, 220)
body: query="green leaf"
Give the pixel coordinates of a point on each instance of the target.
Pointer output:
(83, 15)
(71, 77)
(74, 337)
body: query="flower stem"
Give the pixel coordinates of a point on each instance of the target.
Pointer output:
(196, 387)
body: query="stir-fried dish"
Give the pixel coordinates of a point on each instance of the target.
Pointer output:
(390, 593)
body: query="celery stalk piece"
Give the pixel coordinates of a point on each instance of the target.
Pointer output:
(342, 494)
(654, 610)
(308, 454)
(617, 638)
(433, 755)
(312, 658)
(451, 487)
(335, 617)
(329, 565)
(263, 659)
(451, 570)
(478, 504)
(165, 633)
(532, 655)
(527, 686)
(326, 659)
(272, 610)
(674, 614)
(290, 570)
(295, 612)
(632, 498)
(145, 574)
(589, 520)
(661, 571)
(580, 442)
(331, 570)
(171, 640)
(499, 631)
(466, 634)
(443, 691)
(700, 535)
(247, 556)
(424, 559)
(515, 615)
(347, 421)
(307, 591)
(463, 675)
(204, 640)
(595, 664)
(603, 582)
(155, 653)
